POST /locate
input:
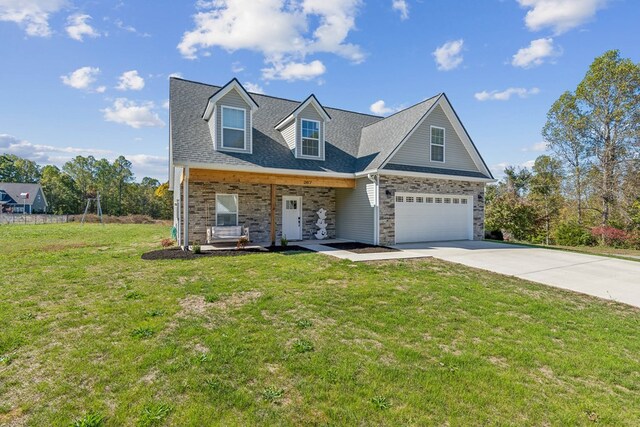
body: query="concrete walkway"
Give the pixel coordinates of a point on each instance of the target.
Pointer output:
(603, 277)
(352, 256)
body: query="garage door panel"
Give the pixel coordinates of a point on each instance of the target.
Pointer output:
(419, 221)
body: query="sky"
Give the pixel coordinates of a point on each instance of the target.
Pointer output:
(92, 77)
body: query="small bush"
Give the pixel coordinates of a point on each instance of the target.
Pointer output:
(167, 243)
(196, 249)
(611, 236)
(283, 241)
(571, 233)
(493, 235)
(302, 346)
(89, 420)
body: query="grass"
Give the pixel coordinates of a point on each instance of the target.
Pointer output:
(606, 251)
(91, 333)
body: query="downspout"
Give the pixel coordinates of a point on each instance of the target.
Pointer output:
(375, 179)
(185, 207)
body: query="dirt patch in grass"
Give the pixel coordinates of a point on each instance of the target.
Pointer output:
(56, 247)
(177, 253)
(237, 299)
(361, 248)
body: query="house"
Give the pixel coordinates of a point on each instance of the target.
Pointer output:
(270, 164)
(20, 198)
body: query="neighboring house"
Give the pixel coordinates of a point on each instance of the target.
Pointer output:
(16, 197)
(269, 164)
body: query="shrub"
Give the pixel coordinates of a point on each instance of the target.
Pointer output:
(611, 236)
(283, 241)
(493, 235)
(167, 243)
(571, 233)
(197, 249)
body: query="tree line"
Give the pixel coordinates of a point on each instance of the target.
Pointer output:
(68, 189)
(588, 189)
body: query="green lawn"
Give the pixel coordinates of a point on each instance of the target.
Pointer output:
(88, 330)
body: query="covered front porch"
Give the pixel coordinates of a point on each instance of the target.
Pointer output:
(274, 207)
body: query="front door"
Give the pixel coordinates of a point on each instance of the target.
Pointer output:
(292, 217)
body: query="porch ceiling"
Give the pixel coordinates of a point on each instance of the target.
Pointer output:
(208, 175)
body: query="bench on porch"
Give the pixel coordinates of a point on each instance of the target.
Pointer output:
(226, 233)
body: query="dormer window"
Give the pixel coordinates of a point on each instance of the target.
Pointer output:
(437, 144)
(233, 128)
(310, 138)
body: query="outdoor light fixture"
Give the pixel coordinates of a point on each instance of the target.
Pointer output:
(388, 193)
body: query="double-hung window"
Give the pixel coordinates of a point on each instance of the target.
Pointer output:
(233, 128)
(437, 144)
(310, 138)
(226, 209)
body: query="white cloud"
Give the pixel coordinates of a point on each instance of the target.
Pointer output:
(401, 6)
(130, 113)
(31, 15)
(83, 78)
(449, 55)
(129, 28)
(253, 87)
(130, 80)
(498, 169)
(380, 108)
(535, 54)
(176, 74)
(77, 27)
(165, 104)
(537, 147)
(560, 15)
(283, 31)
(506, 94)
(142, 164)
(237, 67)
(294, 71)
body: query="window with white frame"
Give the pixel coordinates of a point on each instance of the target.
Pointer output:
(310, 138)
(437, 144)
(226, 209)
(233, 128)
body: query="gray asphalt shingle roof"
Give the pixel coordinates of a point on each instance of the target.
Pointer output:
(354, 141)
(14, 189)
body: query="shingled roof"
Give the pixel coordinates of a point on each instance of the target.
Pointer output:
(14, 189)
(355, 142)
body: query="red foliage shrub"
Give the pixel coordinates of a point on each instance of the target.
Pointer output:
(611, 236)
(167, 243)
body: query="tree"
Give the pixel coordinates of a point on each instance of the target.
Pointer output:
(601, 117)
(60, 190)
(17, 169)
(546, 190)
(82, 171)
(564, 132)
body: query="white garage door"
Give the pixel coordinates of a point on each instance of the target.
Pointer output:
(433, 217)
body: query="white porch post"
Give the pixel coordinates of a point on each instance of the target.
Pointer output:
(185, 215)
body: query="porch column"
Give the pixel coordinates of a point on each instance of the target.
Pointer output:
(185, 215)
(273, 214)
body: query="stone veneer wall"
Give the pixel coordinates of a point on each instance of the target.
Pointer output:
(426, 185)
(254, 208)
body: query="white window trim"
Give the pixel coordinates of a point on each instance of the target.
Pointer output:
(237, 206)
(223, 127)
(320, 155)
(431, 144)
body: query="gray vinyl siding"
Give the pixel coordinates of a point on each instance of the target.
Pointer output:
(310, 113)
(289, 134)
(354, 213)
(416, 151)
(39, 205)
(232, 99)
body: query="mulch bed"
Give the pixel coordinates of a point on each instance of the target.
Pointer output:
(177, 253)
(361, 248)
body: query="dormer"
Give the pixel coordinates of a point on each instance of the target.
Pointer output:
(304, 129)
(229, 114)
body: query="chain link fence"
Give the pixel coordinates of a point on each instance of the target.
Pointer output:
(33, 219)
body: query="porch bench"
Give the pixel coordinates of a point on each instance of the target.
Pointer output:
(226, 233)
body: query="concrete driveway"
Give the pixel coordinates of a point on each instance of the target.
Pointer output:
(602, 277)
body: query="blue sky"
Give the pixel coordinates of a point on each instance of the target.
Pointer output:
(88, 77)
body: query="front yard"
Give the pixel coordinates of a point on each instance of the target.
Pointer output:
(89, 330)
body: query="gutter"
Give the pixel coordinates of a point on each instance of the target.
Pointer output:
(375, 179)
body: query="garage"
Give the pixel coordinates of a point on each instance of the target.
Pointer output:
(433, 217)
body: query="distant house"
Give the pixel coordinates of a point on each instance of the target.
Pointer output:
(16, 197)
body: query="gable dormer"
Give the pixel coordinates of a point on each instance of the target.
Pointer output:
(229, 114)
(304, 129)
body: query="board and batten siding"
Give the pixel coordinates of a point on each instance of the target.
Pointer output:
(289, 134)
(232, 99)
(416, 151)
(355, 213)
(310, 113)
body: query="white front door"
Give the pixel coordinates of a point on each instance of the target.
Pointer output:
(292, 217)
